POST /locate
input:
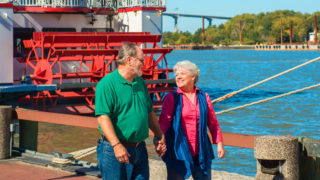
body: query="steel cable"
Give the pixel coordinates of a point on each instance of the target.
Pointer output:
(268, 99)
(260, 82)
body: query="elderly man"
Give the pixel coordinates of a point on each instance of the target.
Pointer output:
(125, 114)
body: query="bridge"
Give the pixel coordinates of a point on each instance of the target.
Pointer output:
(175, 16)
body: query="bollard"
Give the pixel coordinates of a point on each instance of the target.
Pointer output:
(5, 120)
(277, 157)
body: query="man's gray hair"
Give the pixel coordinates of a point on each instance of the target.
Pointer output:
(126, 50)
(190, 67)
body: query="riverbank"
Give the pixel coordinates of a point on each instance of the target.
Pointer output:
(243, 47)
(208, 47)
(288, 47)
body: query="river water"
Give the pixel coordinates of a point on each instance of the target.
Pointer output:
(224, 71)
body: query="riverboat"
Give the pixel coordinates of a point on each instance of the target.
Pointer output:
(55, 51)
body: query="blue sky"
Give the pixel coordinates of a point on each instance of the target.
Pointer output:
(229, 8)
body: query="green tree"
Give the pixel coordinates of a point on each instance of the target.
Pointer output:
(255, 28)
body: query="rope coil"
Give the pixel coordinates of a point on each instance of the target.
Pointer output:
(74, 156)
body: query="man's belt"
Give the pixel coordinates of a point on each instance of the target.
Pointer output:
(127, 143)
(130, 144)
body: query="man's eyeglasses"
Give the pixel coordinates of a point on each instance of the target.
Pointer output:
(141, 60)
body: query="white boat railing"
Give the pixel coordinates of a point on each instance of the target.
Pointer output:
(140, 3)
(67, 3)
(91, 3)
(103, 3)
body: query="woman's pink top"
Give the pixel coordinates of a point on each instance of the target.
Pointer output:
(190, 119)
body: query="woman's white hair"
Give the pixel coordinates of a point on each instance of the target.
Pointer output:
(190, 67)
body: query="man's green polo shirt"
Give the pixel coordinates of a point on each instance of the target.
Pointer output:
(127, 105)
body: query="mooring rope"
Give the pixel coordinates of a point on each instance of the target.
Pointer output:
(260, 82)
(74, 156)
(268, 99)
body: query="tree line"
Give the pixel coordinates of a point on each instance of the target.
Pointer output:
(255, 29)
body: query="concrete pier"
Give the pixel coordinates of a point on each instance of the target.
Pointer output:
(14, 169)
(158, 172)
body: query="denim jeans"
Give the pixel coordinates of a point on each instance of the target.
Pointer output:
(112, 169)
(197, 174)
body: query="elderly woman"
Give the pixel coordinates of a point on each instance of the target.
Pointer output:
(184, 119)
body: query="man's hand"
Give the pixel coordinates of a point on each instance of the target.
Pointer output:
(220, 150)
(159, 140)
(160, 145)
(121, 153)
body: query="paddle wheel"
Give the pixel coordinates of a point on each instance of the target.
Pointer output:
(76, 61)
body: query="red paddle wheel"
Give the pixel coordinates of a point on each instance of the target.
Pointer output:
(76, 61)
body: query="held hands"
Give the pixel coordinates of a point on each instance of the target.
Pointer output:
(121, 153)
(220, 150)
(160, 145)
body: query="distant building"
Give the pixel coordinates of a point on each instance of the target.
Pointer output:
(311, 36)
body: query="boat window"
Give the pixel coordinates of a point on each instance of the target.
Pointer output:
(20, 34)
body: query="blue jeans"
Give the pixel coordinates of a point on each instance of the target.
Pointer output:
(112, 169)
(197, 174)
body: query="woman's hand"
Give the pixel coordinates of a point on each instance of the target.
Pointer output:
(160, 145)
(220, 150)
